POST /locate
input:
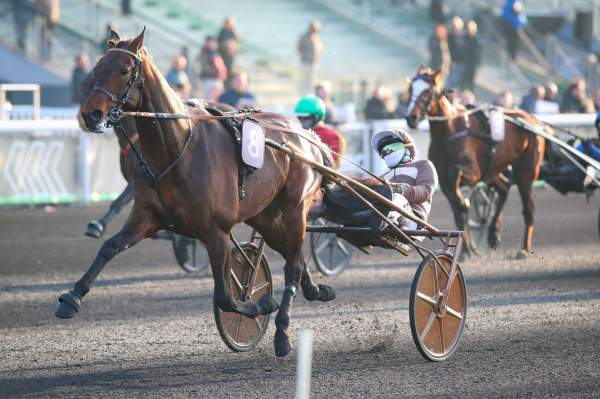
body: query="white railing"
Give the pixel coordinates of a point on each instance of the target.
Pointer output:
(11, 87)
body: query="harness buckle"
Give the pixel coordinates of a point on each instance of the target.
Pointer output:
(114, 115)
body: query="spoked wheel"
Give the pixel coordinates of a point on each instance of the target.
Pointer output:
(241, 333)
(332, 254)
(191, 255)
(483, 204)
(437, 329)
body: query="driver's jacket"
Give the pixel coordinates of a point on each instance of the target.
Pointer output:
(419, 179)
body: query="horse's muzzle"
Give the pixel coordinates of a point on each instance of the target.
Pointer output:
(412, 121)
(94, 120)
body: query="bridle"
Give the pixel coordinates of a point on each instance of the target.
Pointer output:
(114, 114)
(425, 102)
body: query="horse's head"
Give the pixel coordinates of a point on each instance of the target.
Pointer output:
(424, 87)
(115, 84)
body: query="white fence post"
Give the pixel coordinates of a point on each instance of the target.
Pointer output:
(303, 371)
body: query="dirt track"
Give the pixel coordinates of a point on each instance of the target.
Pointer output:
(147, 330)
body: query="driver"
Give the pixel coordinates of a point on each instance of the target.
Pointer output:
(413, 181)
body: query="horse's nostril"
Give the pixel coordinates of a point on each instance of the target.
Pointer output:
(95, 115)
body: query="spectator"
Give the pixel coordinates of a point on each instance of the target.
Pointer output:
(229, 46)
(551, 92)
(177, 78)
(238, 96)
(323, 91)
(49, 15)
(126, 7)
(597, 102)
(514, 22)
(438, 50)
(575, 99)
(190, 71)
(80, 71)
(467, 97)
(548, 104)
(212, 68)
(505, 100)
(438, 11)
(310, 48)
(453, 96)
(377, 106)
(23, 14)
(472, 56)
(215, 92)
(457, 45)
(529, 101)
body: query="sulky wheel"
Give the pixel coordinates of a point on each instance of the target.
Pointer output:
(332, 254)
(437, 330)
(191, 255)
(241, 333)
(483, 203)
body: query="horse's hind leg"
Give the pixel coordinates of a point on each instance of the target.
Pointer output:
(219, 253)
(138, 226)
(502, 188)
(270, 226)
(459, 206)
(95, 228)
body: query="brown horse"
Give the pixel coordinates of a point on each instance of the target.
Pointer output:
(464, 155)
(198, 193)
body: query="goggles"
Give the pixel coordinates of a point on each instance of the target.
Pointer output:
(393, 147)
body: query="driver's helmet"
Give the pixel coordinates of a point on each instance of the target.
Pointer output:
(394, 146)
(310, 110)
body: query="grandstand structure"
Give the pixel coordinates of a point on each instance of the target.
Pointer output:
(366, 42)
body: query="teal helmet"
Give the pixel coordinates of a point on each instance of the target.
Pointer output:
(310, 105)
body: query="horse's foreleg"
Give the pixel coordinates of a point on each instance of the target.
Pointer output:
(95, 228)
(219, 253)
(502, 188)
(138, 226)
(295, 220)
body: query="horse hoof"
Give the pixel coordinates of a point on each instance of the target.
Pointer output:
(267, 304)
(94, 229)
(69, 305)
(522, 254)
(282, 344)
(494, 242)
(326, 293)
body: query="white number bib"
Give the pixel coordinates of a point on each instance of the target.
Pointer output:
(253, 144)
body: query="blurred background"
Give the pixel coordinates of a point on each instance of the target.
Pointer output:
(357, 55)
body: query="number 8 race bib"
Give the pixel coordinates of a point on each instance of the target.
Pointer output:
(253, 144)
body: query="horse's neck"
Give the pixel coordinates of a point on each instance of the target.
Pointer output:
(161, 140)
(445, 109)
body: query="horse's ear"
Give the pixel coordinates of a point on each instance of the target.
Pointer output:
(136, 44)
(421, 69)
(113, 40)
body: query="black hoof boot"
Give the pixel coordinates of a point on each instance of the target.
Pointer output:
(267, 304)
(94, 229)
(69, 305)
(326, 293)
(493, 239)
(282, 344)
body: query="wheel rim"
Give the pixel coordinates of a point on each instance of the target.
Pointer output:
(241, 333)
(332, 255)
(437, 331)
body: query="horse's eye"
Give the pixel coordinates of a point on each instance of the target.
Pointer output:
(124, 71)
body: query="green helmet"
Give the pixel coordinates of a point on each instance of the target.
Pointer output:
(310, 106)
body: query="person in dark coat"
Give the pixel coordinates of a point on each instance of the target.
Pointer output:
(80, 71)
(456, 45)
(439, 52)
(438, 11)
(472, 56)
(229, 46)
(377, 105)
